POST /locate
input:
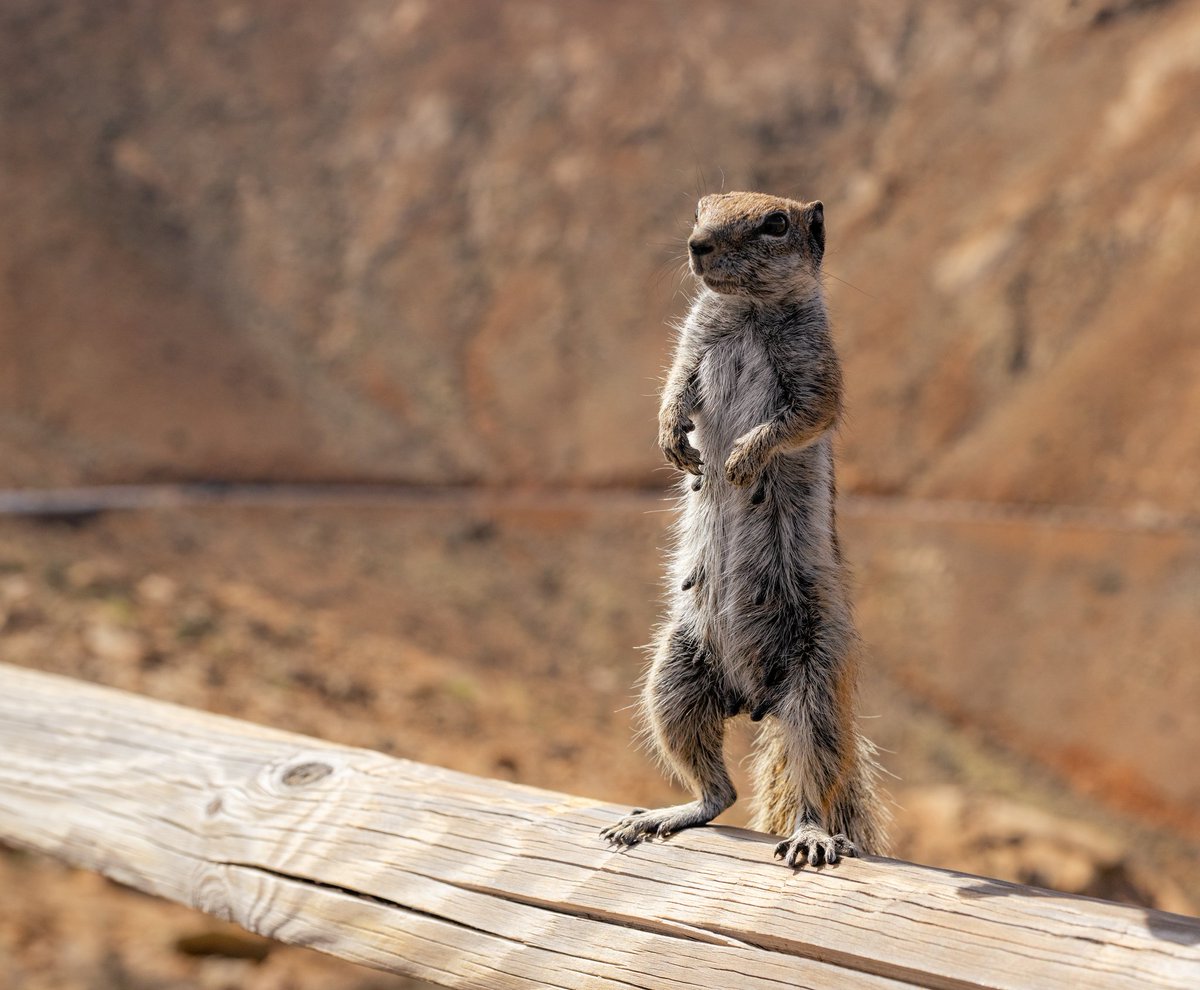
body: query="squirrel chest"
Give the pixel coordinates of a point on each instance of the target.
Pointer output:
(738, 387)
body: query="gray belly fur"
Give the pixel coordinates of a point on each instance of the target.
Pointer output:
(751, 552)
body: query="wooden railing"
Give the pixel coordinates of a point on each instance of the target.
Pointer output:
(470, 882)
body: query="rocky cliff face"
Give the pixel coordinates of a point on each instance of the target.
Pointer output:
(435, 242)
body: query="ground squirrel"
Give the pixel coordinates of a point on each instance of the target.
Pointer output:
(759, 614)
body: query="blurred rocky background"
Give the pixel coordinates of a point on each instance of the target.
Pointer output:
(431, 247)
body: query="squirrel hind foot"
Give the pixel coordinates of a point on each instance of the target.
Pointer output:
(815, 846)
(660, 824)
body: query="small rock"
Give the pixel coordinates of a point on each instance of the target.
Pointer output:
(216, 973)
(157, 589)
(225, 942)
(110, 642)
(96, 576)
(15, 588)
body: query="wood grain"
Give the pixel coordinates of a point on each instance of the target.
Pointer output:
(468, 882)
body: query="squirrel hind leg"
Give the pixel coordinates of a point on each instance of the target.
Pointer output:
(827, 813)
(798, 771)
(685, 708)
(818, 778)
(859, 810)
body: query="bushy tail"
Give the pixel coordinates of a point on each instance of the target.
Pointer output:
(858, 811)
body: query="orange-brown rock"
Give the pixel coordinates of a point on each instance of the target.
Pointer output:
(433, 242)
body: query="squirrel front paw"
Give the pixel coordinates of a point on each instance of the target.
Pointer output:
(746, 460)
(673, 439)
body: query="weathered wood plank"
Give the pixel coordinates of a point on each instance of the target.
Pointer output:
(475, 883)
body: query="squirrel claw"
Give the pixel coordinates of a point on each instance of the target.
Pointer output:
(814, 846)
(683, 456)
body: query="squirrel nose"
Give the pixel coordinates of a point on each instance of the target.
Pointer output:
(701, 246)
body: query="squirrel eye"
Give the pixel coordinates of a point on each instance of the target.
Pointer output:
(775, 224)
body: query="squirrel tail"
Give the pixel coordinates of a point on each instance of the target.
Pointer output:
(858, 811)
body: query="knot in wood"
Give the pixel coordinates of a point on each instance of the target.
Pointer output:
(303, 774)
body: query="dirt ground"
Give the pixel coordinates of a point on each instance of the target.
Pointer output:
(372, 627)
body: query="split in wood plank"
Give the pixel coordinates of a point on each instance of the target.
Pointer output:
(469, 882)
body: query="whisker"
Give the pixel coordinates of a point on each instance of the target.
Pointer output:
(701, 179)
(675, 267)
(828, 274)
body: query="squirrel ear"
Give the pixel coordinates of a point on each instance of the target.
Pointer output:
(816, 229)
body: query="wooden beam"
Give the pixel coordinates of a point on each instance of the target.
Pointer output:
(470, 882)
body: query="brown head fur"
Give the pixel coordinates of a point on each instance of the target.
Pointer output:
(752, 244)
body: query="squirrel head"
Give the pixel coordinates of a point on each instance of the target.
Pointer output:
(752, 244)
